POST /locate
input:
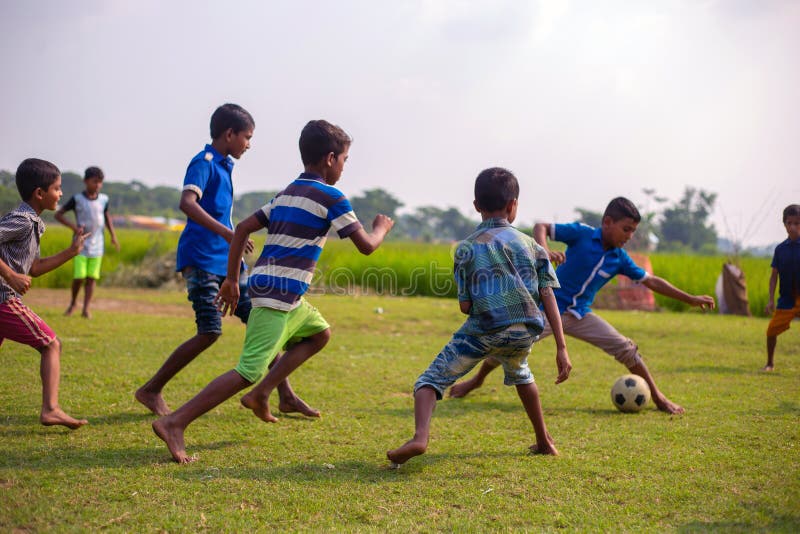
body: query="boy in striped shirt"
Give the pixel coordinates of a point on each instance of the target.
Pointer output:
(39, 185)
(298, 220)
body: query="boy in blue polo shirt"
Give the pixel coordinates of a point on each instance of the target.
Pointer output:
(207, 201)
(298, 220)
(502, 277)
(786, 266)
(593, 257)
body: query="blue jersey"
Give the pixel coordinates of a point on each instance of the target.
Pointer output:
(297, 222)
(786, 261)
(208, 175)
(588, 267)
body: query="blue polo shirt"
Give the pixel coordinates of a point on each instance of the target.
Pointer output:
(208, 175)
(588, 267)
(786, 260)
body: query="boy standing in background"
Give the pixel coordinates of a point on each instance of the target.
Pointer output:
(786, 267)
(91, 212)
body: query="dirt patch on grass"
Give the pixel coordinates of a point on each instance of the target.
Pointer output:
(129, 301)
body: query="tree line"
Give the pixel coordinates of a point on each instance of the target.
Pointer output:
(681, 225)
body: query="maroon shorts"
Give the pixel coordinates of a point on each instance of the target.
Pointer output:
(19, 323)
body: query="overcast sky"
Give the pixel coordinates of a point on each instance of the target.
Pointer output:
(582, 100)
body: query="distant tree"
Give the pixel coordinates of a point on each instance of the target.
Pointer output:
(373, 202)
(592, 218)
(684, 225)
(9, 197)
(247, 204)
(429, 223)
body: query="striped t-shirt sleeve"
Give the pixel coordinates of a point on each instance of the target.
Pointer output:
(342, 218)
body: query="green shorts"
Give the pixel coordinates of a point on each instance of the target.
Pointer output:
(83, 267)
(269, 331)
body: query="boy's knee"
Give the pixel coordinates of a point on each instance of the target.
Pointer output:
(52, 347)
(322, 338)
(627, 354)
(209, 337)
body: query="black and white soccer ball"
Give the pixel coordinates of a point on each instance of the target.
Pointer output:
(630, 393)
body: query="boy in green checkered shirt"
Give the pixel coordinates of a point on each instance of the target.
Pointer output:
(502, 276)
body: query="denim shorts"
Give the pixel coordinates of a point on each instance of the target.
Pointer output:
(510, 347)
(203, 288)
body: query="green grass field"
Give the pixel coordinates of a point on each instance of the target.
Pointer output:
(730, 464)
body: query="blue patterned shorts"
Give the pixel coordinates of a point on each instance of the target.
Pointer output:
(510, 346)
(203, 288)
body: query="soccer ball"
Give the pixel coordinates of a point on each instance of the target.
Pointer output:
(630, 393)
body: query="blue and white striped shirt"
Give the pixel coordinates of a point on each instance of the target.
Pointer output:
(20, 232)
(298, 220)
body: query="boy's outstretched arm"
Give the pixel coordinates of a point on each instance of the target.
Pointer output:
(228, 295)
(659, 285)
(554, 318)
(368, 243)
(191, 207)
(540, 233)
(41, 266)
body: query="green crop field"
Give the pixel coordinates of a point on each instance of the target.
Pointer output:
(730, 464)
(402, 268)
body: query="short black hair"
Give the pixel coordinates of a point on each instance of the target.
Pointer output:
(319, 138)
(622, 208)
(792, 210)
(495, 188)
(94, 172)
(35, 173)
(230, 116)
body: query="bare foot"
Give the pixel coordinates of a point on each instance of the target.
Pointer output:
(462, 389)
(86, 314)
(666, 405)
(58, 417)
(152, 401)
(767, 368)
(173, 437)
(70, 309)
(406, 451)
(260, 409)
(297, 405)
(547, 448)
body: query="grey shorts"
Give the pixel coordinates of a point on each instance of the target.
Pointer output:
(596, 331)
(510, 347)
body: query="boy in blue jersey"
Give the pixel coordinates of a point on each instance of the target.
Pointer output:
(502, 277)
(786, 267)
(91, 217)
(207, 201)
(298, 220)
(593, 257)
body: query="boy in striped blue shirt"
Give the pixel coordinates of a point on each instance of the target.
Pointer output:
(502, 276)
(298, 220)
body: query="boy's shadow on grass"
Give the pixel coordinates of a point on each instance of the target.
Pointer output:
(82, 457)
(348, 471)
(460, 407)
